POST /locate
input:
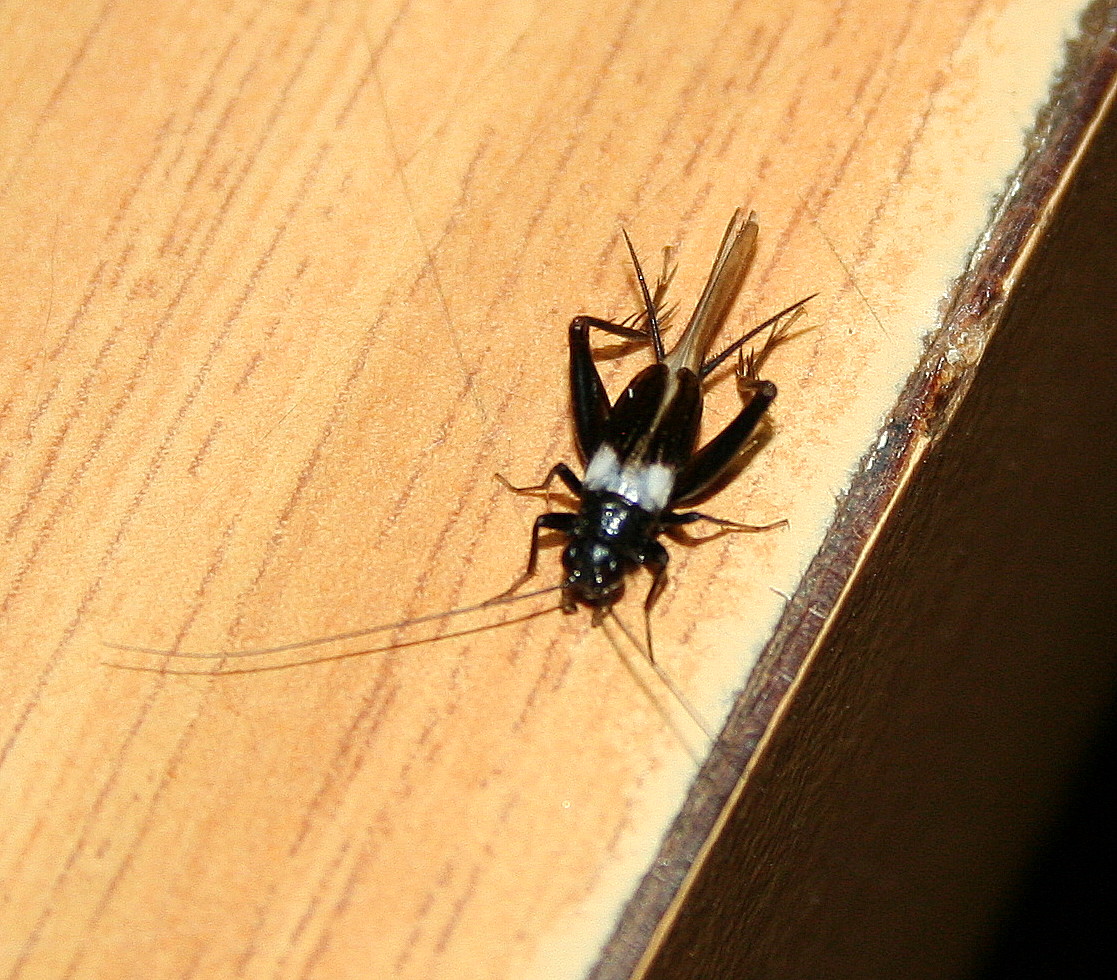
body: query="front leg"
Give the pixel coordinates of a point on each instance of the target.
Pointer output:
(544, 522)
(654, 559)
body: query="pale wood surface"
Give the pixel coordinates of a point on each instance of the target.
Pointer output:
(283, 286)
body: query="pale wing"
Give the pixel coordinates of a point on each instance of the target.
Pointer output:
(721, 290)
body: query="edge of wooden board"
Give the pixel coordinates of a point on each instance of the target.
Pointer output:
(1084, 91)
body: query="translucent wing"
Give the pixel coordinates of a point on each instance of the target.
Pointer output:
(721, 290)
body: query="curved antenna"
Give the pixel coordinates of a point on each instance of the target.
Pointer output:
(668, 683)
(499, 600)
(334, 657)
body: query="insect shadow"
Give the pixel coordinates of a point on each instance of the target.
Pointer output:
(641, 456)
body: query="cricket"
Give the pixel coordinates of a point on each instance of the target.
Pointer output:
(643, 466)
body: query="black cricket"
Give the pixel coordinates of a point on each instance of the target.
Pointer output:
(641, 455)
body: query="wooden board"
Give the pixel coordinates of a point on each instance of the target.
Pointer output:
(285, 286)
(940, 722)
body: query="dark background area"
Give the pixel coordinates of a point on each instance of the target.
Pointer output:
(1059, 920)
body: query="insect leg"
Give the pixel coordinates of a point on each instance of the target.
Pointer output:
(616, 329)
(671, 520)
(654, 559)
(778, 336)
(589, 401)
(544, 522)
(711, 462)
(561, 470)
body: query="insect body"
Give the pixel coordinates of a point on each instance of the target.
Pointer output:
(641, 457)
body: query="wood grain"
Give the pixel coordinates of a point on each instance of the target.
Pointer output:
(285, 286)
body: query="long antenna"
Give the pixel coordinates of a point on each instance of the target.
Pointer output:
(668, 683)
(333, 657)
(499, 600)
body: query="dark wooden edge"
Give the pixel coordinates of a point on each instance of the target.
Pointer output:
(929, 401)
